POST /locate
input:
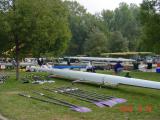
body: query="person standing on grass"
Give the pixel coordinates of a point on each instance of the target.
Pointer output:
(68, 62)
(118, 68)
(149, 64)
(135, 65)
(14, 63)
(89, 67)
(40, 61)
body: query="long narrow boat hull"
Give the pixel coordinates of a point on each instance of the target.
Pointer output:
(101, 78)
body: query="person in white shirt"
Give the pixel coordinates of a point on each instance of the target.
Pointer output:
(89, 67)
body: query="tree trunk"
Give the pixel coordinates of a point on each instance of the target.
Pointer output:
(17, 44)
(17, 57)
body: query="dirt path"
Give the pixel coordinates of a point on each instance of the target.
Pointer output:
(2, 118)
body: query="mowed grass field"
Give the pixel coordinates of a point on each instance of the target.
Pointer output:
(142, 103)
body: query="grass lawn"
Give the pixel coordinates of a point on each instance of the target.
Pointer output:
(142, 104)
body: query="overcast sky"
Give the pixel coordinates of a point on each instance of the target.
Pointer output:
(94, 6)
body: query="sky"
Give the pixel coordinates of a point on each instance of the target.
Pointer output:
(94, 6)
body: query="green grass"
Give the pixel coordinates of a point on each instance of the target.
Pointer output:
(16, 107)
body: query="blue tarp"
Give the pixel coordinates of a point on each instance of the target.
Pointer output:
(69, 67)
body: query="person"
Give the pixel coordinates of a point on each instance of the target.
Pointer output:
(149, 64)
(136, 65)
(68, 62)
(14, 63)
(40, 61)
(28, 69)
(118, 67)
(89, 67)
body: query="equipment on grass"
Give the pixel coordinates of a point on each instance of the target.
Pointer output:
(3, 77)
(78, 108)
(75, 108)
(103, 102)
(41, 80)
(99, 100)
(99, 96)
(78, 97)
(25, 80)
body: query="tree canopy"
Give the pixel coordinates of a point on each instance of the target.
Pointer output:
(33, 27)
(124, 20)
(96, 43)
(150, 19)
(36, 25)
(58, 27)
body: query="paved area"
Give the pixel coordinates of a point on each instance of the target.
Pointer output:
(2, 118)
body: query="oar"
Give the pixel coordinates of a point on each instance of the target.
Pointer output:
(96, 101)
(118, 100)
(113, 100)
(47, 101)
(78, 97)
(99, 96)
(109, 103)
(78, 108)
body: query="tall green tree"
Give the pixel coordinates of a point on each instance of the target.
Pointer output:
(117, 43)
(81, 24)
(35, 26)
(124, 19)
(150, 19)
(108, 19)
(96, 43)
(4, 29)
(77, 23)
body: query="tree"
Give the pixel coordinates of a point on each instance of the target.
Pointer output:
(150, 19)
(96, 43)
(78, 28)
(108, 19)
(81, 24)
(35, 27)
(125, 19)
(3, 34)
(117, 43)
